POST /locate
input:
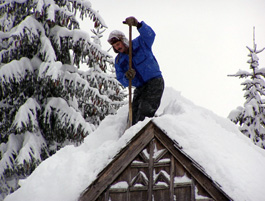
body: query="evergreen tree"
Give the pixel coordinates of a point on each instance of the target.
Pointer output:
(251, 117)
(46, 102)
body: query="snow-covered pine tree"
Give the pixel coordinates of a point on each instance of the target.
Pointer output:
(251, 117)
(46, 102)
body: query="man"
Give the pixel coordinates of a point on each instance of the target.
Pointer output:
(145, 73)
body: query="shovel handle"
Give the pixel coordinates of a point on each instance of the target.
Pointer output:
(130, 67)
(130, 80)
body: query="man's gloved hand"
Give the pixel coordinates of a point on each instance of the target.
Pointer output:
(130, 74)
(131, 21)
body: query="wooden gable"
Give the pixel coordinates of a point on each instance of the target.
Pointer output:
(152, 156)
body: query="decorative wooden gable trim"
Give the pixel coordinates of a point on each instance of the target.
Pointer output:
(152, 156)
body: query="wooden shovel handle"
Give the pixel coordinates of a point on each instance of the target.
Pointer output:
(130, 80)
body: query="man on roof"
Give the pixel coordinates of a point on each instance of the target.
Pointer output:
(145, 73)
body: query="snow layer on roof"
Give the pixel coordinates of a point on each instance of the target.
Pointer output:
(230, 158)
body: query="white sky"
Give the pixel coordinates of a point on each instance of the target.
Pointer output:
(198, 43)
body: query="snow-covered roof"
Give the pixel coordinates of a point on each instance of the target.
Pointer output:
(215, 143)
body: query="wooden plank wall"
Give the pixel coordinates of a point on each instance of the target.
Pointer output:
(169, 180)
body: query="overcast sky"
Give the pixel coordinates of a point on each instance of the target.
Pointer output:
(198, 43)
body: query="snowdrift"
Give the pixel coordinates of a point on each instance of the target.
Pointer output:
(226, 155)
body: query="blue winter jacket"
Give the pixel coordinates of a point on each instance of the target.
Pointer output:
(143, 60)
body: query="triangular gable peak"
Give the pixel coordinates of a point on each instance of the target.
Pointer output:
(152, 156)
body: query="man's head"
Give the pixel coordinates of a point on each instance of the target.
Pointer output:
(118, 41)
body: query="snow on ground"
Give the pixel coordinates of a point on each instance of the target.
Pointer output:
(214, 142)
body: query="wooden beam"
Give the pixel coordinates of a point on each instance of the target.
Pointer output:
(172, 176)
(151, 169)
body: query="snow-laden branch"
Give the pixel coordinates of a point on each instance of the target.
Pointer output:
(75, 80)
(29, 23)
(16, 70)
(50, 69)
(33, 145)
(236, 115)
(251, 108)
(261, 71)
(21, 148)
(67, 116)
(58, 32)
(9, 151)
(47, 50)
(79, 41)
(241, 74)
(32, 31)
(26, 116)
(85, 8)
(97, 19)
(254, 58)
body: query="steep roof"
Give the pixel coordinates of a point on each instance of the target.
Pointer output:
(152, 156)
(228, 157)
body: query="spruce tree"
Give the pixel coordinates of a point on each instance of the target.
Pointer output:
(46, 102)
(251, 117)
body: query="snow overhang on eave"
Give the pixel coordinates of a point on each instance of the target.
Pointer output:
(126, 155)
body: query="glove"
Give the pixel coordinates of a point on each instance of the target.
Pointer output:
(130, 74)
(131, 21)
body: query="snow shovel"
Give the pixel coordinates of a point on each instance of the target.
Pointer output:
(130, 80)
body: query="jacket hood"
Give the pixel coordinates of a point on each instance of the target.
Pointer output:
(116, 36)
